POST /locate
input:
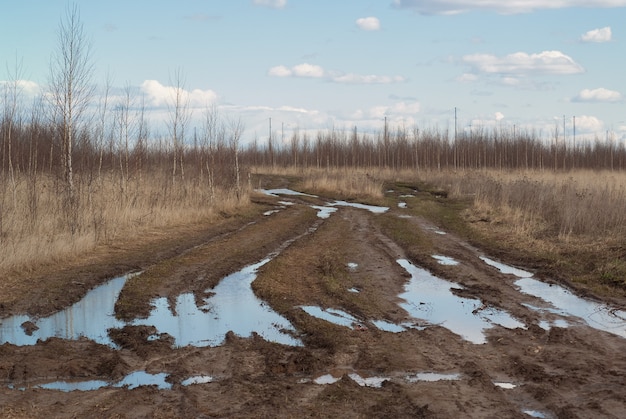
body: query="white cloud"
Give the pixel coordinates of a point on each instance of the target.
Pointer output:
(451, 7)
(306, 70)
(588, 124)
(598, 95)
(280, 71)
(546, 62)
(499, 116)
(158, 95)
(368, 23)
(26, 87)
(272, 4)
(597, 35)
(398, 110)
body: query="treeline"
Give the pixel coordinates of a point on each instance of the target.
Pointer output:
(431, 149)
(213, 153)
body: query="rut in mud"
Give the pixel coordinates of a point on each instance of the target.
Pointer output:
(320, 308)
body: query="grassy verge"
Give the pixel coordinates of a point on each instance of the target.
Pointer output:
(566, 226)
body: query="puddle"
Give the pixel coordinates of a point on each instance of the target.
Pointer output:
(565, 303)
(231, 307)
(333, 315)
(371, 208)
(430, 298)
(506, 386)
(131, 381)
(432, 376)
(445, 260)
(354, 290)
(288, 192)
(142, 378)
(535, 414)
(270, 212)
(386, 326)
(547, 325)
(198, 379)
(326, 379)
(352, 266)
(90, 317)
(68, 386)
(596, 315)
(323, 212)
(375, 382)
(401, 204)
(505, 269)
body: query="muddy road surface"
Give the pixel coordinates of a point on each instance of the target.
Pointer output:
(309, 307)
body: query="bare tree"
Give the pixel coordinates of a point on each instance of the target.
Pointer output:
(236, 130)
(12, 98)
(209, 139)
(71, 89)
(179, 115)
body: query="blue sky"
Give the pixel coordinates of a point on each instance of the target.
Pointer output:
(321, 64)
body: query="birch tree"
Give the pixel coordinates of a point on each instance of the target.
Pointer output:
(71, 89)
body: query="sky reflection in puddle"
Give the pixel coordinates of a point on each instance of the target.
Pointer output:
(332, 315)
(445, 260)
(90, 317)
(131, 381)
(371, 208)
(430, 298)
(323, 212)
(232, 307)
(565, 303)
(432, 377)
(279, 192)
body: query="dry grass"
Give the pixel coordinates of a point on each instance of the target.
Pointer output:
(571, 223)
(36, 226)
(567, 205)
(344, 183)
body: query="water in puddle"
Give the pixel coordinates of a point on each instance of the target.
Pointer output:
(506, 386)
(431, 377)
(332, 315)
(430, 298)
(565, 303)
(535, 414)
(596, 315)
(375, 382)
(68, 386)
(386, 326)
(445, 260)
(505, 269)
(401, 204)
(232, 307)
(278, 192)
(131, 381)
(198, 379)
(371, 208)
(91, 317)
(323, 212)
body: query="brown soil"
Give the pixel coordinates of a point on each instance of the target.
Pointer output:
(574, 372)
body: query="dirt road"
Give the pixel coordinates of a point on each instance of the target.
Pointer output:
(374, 312)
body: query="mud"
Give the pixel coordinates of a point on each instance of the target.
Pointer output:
(380, 359)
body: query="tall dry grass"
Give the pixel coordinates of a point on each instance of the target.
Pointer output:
(34, 216)
(580, 203)
(345, 183)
